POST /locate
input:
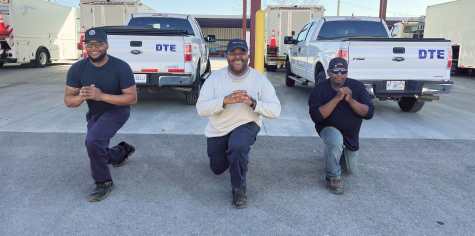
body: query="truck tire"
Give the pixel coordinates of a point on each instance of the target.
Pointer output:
(410, 104)
(208, 70)
(271, 68)
(192, 97)
(42, 58)
(288, 81)
(319, 77)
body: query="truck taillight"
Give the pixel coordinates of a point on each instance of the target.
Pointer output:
(342, 53)
(188, 48)
(188, 51)
(449, 63)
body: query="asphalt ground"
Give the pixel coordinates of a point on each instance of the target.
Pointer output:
(415, 170)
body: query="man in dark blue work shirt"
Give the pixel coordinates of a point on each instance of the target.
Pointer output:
(107, 84)
(338, 106)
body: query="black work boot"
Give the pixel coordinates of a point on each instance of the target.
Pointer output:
(239, 199)
(101, 191)
(334, 185)
(129, 150)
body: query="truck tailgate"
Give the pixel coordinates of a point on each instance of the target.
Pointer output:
(398, 59)
(160, 54)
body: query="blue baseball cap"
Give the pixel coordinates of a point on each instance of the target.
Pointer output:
(95, 34)
(237, 43)
(333, 63)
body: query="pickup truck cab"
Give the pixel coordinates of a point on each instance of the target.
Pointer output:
(409, 71)
(163, 50)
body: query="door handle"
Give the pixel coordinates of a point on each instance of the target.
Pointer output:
(299, 49)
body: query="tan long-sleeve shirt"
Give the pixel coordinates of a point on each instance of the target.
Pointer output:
(223, 120)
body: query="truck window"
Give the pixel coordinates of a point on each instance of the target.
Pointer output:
(303, 33)
(394, 31)
(347, 28)
(410, 29)
(162, 23)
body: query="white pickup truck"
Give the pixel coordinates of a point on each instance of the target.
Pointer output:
(163, 50)
(409, 71)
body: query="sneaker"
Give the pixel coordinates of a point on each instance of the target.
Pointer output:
(101, 191)
(334, 185)
(129, 150)
(239, 199)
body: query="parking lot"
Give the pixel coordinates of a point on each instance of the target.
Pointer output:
(414, 172)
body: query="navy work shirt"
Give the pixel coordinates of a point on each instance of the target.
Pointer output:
(343, 117)
(110, 78)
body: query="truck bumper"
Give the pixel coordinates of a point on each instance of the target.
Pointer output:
(8, 60)
(412, 88)
(167, 80)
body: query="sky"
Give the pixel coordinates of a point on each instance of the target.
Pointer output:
(395, 8)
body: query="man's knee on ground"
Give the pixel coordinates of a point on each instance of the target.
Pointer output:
(217, 169)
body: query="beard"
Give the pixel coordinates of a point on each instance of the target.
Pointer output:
(235, 70)
(100, 58)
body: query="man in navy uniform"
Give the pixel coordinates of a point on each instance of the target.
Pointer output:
(338, 106)
(107, 84)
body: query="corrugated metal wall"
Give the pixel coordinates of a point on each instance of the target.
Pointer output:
(223, 35)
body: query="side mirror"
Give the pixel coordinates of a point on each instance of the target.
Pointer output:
(289, 40)
(293, 33)
(211, 38)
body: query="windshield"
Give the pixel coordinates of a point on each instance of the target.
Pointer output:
(162, 23)
(346, 28)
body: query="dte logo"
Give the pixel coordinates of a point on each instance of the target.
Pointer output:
(423, 54)
(165, 47)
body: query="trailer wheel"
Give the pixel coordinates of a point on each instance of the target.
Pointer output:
(288, 81)
(192, 97)
(319, 77)
(42, 58)
(410, 104)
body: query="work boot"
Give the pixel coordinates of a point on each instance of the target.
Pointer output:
(334, 185)
(101, 191)
(239, 199)
(129, 150)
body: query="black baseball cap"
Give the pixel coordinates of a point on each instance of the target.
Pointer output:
(95, 34)
(237, 43)
(335, 61)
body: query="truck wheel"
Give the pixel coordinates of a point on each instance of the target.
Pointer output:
(42, 58)
(192, 97)
(271, 68)
(288, 81)
(410, 104)
(208, 70)
(319, 77)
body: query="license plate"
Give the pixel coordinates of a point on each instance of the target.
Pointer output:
(272, 63)
(395, 85)
(140, 78)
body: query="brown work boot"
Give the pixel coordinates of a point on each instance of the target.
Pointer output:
(334, 185)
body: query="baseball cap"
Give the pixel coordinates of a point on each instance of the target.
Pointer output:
(95, 34)
(237, 43)
(335, 61)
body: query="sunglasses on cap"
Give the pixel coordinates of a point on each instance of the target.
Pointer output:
(336, 71)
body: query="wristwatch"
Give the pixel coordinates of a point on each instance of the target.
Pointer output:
(253, 102)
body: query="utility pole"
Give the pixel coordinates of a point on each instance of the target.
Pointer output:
(244, 18)
(255, 6)
(338, 11)
(383, 4)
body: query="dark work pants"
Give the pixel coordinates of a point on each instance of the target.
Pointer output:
(100, 129)
(232, 151)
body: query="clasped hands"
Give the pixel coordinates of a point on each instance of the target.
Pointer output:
(91, 92)
(238, 96)
(344, 93)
